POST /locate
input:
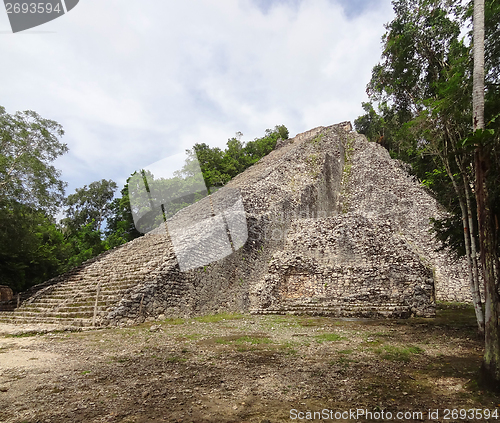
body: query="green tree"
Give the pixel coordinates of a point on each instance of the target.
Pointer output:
(86, 243)
(120, 224)
(28, 146)
(90, 205)
(424, 75)
(86, 214)
(32, 248)
(210, 160)
(261, 147)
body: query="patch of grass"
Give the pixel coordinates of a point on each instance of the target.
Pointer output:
(456, 316)
(288, 347)
(278, 318)
(317, 139)
(173, 321)
(224, 341)
(23, 335)
(214, 318)
(311, 321)
(328, 337)
(381, 335)
(85, 372)
(343, 361)
(394, 353)
(193, 336)
(370, 341)
(281, 320)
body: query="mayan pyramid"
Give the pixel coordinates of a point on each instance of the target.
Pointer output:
(326, 224)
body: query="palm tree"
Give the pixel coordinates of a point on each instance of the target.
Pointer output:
(489, 259)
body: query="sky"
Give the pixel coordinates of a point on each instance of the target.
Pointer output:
(134, 82)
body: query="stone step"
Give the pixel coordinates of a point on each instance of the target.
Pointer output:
(49, 304)
(81, 322)
(84, 296)
(92, 284)
(341, 310)
(62, 308)
(87, 291)
(90, 301)
(55, 313)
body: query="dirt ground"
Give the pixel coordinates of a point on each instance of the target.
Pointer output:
(242, 368)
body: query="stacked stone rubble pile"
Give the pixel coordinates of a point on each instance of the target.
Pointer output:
(347, 265)
(381, 188)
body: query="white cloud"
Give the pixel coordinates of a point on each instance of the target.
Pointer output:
(133, 82)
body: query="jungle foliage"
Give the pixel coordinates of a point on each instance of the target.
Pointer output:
(420, 105)
(435, 104)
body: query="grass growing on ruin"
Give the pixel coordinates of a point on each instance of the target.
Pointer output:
(312, 163)
(346, 173)
(317, 139)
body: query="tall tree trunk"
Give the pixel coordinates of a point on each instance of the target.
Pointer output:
(491, 361)
(489, 260)
(474, 286)
(472, 253)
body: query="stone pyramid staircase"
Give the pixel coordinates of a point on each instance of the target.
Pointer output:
(70, 299)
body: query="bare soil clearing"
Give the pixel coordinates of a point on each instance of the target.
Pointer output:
(242, 368)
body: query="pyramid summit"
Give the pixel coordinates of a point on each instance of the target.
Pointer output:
(328, 224)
